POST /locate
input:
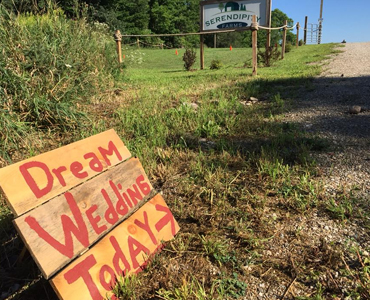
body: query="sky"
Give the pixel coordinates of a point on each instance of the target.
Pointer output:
(343, 19)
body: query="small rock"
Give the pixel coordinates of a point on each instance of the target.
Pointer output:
(192, 105)
(355, 110)
(253, 99)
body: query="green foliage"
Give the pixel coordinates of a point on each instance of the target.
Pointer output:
(189, 58)
(232, 287)
(288, 47)
(126, 287)
(49, 66)
(268, 56)
(134, 15)
(216, 64)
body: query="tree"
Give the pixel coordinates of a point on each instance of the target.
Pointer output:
(221, 6)
(168, 16)
(134, 15)
(277, 20)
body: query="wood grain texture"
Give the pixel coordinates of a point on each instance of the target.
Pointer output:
(99, 204)
(91, 275)
(21, 198)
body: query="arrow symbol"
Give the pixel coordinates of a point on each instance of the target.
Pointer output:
(168, 218)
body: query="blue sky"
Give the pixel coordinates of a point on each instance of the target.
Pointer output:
(343, 19)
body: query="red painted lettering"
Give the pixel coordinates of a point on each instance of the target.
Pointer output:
(146, 227)
(121, 206)
(58, 174)
(95, 220)
(108, 285)
(135, 252)
(135, 194)
(111, 149)
(168, 218)
(79, 230)
(95, 164)
(81, 270)
(118, 257)
(110, 214)
(144, 186)
(38, 192)
(128, 201)
(76, 168)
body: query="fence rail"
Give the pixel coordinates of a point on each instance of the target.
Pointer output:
(254, 28)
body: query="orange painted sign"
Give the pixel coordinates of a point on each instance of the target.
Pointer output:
(65, 226)
(123, 251)
(83, 194)
(32, 182)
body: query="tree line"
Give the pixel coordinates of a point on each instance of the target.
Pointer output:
(153, 17)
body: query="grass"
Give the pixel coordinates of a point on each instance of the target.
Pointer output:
(240, 181)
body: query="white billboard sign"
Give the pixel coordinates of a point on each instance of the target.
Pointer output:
(221, 15)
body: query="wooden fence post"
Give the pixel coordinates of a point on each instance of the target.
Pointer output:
(254, 28)
(201, 52)
(284, 40)
(297, 35)
(138, 43)
(118, 38)
(305, 30)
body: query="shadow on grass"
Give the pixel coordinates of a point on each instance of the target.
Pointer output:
(284, 141)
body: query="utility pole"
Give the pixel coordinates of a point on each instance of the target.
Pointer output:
(320, 22)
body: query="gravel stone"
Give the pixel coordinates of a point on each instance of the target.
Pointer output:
(324, 111)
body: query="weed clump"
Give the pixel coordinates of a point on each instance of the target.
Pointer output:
(288, 47)
(189, 58)
(216, 64)
(49, 67)
(268, 57)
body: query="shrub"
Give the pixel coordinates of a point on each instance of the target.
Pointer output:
(189, 58)
(300, 43)
(49, 67)
(288, 47)
(216, 64)
(268, 56)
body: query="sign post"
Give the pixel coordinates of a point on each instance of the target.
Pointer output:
(220, 15)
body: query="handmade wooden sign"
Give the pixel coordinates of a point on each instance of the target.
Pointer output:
(88, 208)
(32, 182)
(124, 250)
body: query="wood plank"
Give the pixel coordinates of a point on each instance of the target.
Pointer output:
(60, 229)
(124, 249)
(32, 182)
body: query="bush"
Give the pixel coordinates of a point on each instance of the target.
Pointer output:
(189, 58)
(49, 67)
(268, 56)
(216, 64)
(300, 43)
(288, 47)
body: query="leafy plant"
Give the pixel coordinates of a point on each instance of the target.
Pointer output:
(288, 47)
(126, 287)
(232, 287)
(268, 56)
(216, 64)
(189, 58)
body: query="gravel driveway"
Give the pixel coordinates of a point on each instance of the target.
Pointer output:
(325, 111)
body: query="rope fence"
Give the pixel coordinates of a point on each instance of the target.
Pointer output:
(254, 28)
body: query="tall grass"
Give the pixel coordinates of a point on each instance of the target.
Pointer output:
(49, 67)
